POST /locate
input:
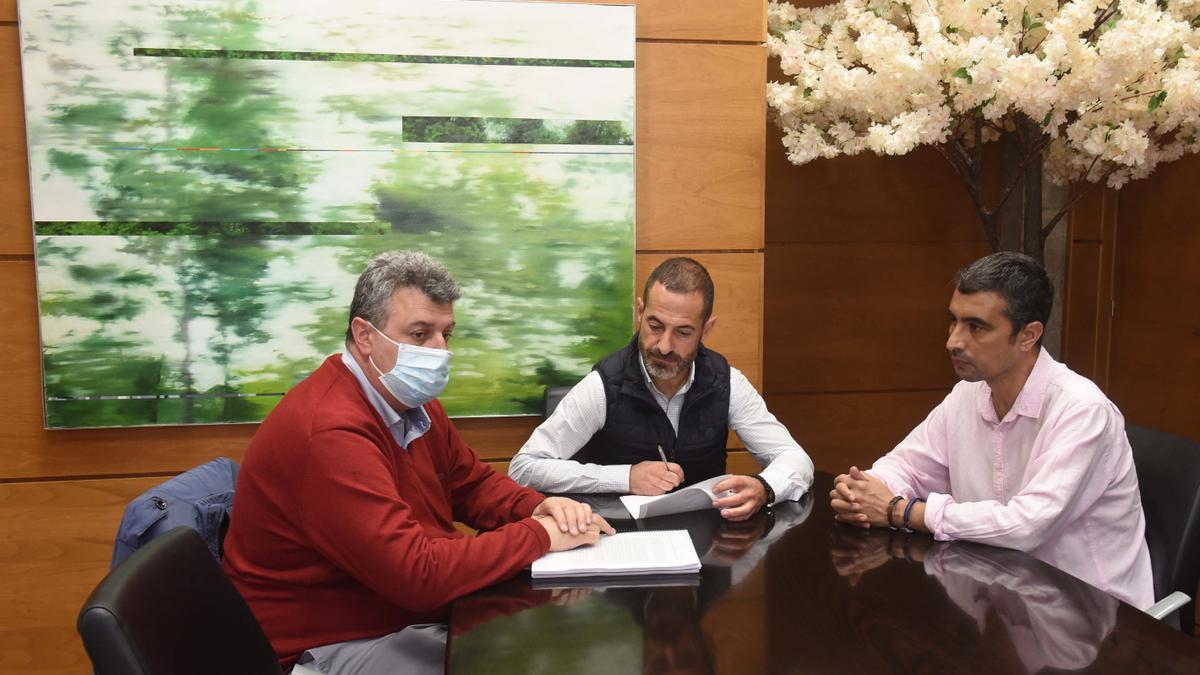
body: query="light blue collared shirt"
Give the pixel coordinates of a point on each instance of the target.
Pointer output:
(406, 427)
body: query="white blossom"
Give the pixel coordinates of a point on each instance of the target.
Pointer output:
(1113, 84)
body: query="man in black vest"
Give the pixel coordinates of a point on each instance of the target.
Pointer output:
(656, 414)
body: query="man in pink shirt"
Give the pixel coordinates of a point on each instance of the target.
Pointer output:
(1023, 453)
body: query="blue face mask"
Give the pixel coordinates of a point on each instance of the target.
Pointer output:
(420, 373)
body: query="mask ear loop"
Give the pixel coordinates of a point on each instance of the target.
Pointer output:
(385, 337)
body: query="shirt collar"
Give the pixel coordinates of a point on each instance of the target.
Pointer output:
(653, 387)
(1032, 397)
(410, 424)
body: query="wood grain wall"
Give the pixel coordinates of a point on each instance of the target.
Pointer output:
(700, 130)
(860, 257)
(1133, 297)
(1154, 356)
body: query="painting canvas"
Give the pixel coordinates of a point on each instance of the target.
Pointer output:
(209, 177)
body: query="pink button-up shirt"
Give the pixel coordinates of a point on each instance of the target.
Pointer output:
(1054, 478)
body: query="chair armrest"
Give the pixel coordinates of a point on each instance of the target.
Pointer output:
(1163, 608)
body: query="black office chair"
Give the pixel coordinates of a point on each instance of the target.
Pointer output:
(1168, 469)
(553, 396)
(169, 610)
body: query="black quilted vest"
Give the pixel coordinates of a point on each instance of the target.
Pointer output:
(635, 424)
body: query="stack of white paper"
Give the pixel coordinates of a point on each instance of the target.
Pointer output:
(691, 498)
(656, 552)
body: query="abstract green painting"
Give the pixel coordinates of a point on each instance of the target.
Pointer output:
(209, 177)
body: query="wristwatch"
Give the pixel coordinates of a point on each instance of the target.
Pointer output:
(770, 494)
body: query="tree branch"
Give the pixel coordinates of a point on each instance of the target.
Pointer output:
(977, 156)
(1087, 188)
(1020, 172)
(952, 155)
(1105, 15)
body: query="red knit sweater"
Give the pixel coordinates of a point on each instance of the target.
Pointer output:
(339, 534)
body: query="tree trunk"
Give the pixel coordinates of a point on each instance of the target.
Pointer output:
(1021, 215)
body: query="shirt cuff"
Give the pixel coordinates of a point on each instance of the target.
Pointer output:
(935, 508)
(614, 478)
(779, 485)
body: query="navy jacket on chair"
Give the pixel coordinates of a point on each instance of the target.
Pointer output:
(200, 498)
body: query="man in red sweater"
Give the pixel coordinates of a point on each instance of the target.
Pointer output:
(347, 497)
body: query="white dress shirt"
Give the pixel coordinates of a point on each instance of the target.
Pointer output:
(544, 463)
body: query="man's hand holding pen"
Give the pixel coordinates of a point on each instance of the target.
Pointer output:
(655, 478)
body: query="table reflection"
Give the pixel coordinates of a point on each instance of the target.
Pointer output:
(638, 624)
(1050, 621)
(796, 593)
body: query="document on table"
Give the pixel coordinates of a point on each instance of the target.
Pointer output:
(652, 580)
(624, 553)
(691, 498)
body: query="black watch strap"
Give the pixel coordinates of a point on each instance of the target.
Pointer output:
(770, 493)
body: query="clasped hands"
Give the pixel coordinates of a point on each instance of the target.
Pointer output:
(860, 499)
(746, 495)
(570, 523)
(855, 553)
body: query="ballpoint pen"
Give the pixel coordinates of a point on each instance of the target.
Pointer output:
(664, 458)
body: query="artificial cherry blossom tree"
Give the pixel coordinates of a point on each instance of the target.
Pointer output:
(1088, 91)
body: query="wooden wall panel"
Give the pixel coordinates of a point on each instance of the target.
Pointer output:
(701, 110)
(841, 430)
(696, 20)
(1154, 358)
(737, 304)
(1154, 376)
(1082, 311)
(724, 20)
(862, 317)
(1087, 292)
(913, 198)
(57, 543)
(859, 264)
(16, 230)
(8, 10)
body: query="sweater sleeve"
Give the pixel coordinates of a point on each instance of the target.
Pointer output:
(483, 498)
(354, 515)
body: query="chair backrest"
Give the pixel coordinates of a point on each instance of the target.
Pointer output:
(553, 396)
(170, 610)
(201, 498)
(1168, 469)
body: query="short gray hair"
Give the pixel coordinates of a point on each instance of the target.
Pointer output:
(393, 270)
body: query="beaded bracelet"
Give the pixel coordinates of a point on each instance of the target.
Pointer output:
(891, 510)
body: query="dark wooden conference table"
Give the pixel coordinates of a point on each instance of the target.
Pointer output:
(798, 593)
